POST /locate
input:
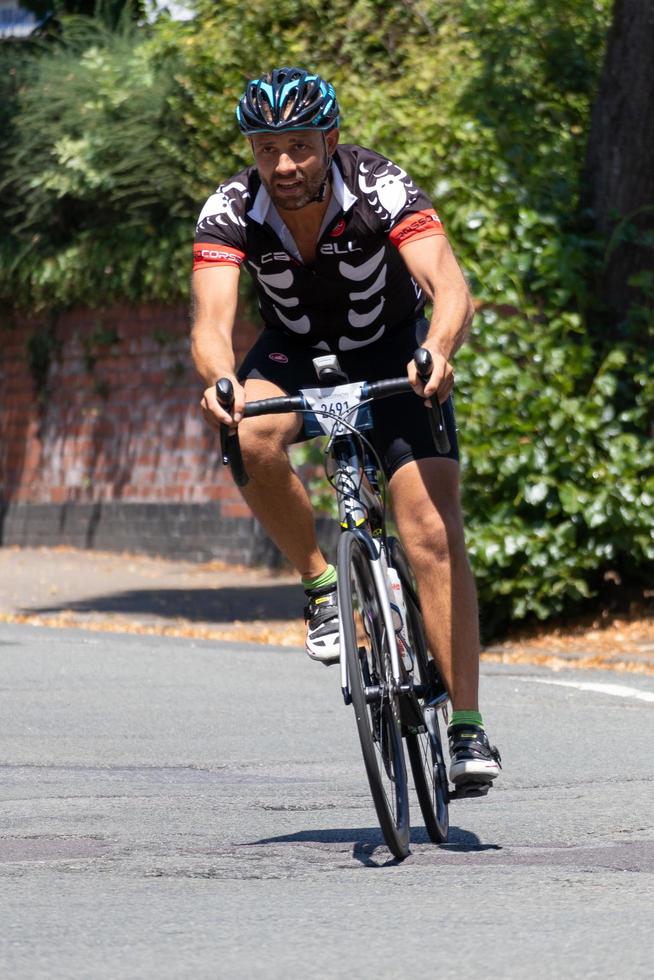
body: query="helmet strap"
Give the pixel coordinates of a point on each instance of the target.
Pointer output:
(320, 196)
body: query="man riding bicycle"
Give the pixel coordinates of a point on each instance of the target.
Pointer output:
(344, 250)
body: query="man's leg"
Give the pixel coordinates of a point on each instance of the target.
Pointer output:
(275, 494)
(428, 514)
(278, 499)
(429, 520)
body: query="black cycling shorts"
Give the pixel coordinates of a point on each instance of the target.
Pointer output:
(401, 430)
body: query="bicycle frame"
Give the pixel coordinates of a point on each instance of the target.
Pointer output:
(355, 503)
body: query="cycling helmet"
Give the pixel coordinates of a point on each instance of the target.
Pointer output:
(287, 99)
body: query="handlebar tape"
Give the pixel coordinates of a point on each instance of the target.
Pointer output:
(274, 406)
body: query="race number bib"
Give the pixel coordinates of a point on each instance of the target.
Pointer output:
(331, 404)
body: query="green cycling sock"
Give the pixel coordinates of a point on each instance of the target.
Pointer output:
(328, 577)
(466, 718)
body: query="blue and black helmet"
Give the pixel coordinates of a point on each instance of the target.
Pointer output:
(287, 99)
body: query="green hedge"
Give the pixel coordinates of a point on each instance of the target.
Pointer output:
(114, 139)
(559, 472)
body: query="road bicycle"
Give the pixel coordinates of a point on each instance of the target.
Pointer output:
(387, 673)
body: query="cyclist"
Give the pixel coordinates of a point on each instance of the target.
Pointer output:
(344, 250)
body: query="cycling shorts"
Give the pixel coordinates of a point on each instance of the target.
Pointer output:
(401, 430)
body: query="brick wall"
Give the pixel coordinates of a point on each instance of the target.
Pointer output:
(112, 452)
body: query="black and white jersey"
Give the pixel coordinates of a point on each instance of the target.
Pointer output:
(358, 290)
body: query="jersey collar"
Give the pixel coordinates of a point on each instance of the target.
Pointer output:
(341, 192)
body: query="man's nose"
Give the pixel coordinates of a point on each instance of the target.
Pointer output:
(285, 164)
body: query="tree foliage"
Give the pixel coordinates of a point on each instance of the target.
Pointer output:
(110, 12)
(91, 179)
(117, 137)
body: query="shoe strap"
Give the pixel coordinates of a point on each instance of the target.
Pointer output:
(321, 591)
(321, 608)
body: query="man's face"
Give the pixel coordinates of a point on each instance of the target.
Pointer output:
(292, 165)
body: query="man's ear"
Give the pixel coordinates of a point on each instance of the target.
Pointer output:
(331, 139)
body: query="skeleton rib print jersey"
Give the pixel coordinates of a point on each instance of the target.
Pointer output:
(358, 290)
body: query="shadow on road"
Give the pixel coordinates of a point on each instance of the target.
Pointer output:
(367, 840)
(245, 603)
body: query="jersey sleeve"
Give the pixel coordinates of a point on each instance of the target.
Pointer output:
(404, 210)
(417, 224)
(220, 231)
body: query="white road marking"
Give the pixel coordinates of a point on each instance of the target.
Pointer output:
(616, 690)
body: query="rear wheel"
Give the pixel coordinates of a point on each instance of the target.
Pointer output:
(425, 748)
(375, 704)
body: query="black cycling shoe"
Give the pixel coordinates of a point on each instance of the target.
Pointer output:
(473, 760)
(321, 617)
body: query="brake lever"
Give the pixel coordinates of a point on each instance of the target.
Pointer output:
(425, 366)
(230, 447)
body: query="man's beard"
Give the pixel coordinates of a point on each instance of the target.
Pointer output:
(309, 192)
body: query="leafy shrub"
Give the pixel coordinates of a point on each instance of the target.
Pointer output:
(559, 472)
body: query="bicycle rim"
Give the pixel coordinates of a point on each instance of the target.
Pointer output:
(430, 777)
(375, 706)
(425, 749)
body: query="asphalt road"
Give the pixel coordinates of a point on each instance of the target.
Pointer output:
(176, 808)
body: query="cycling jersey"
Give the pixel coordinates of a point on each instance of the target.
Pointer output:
(358, 289)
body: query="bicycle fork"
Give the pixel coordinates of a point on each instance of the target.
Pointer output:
(379, 571)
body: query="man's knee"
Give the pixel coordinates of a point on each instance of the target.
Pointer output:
(426, 499)
(435, 536)
(264, 440)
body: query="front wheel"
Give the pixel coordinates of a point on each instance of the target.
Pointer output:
(370, 681)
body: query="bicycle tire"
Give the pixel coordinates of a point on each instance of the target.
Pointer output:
(377, 718)
(425, 749)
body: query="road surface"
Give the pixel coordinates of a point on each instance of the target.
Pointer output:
(178, 808)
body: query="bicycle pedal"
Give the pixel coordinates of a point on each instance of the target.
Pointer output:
(471, 790)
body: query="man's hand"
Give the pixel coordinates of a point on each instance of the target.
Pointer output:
(214, 414)
(441, 381)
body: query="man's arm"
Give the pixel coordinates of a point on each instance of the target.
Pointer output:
(215, 298)
(432, 264)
